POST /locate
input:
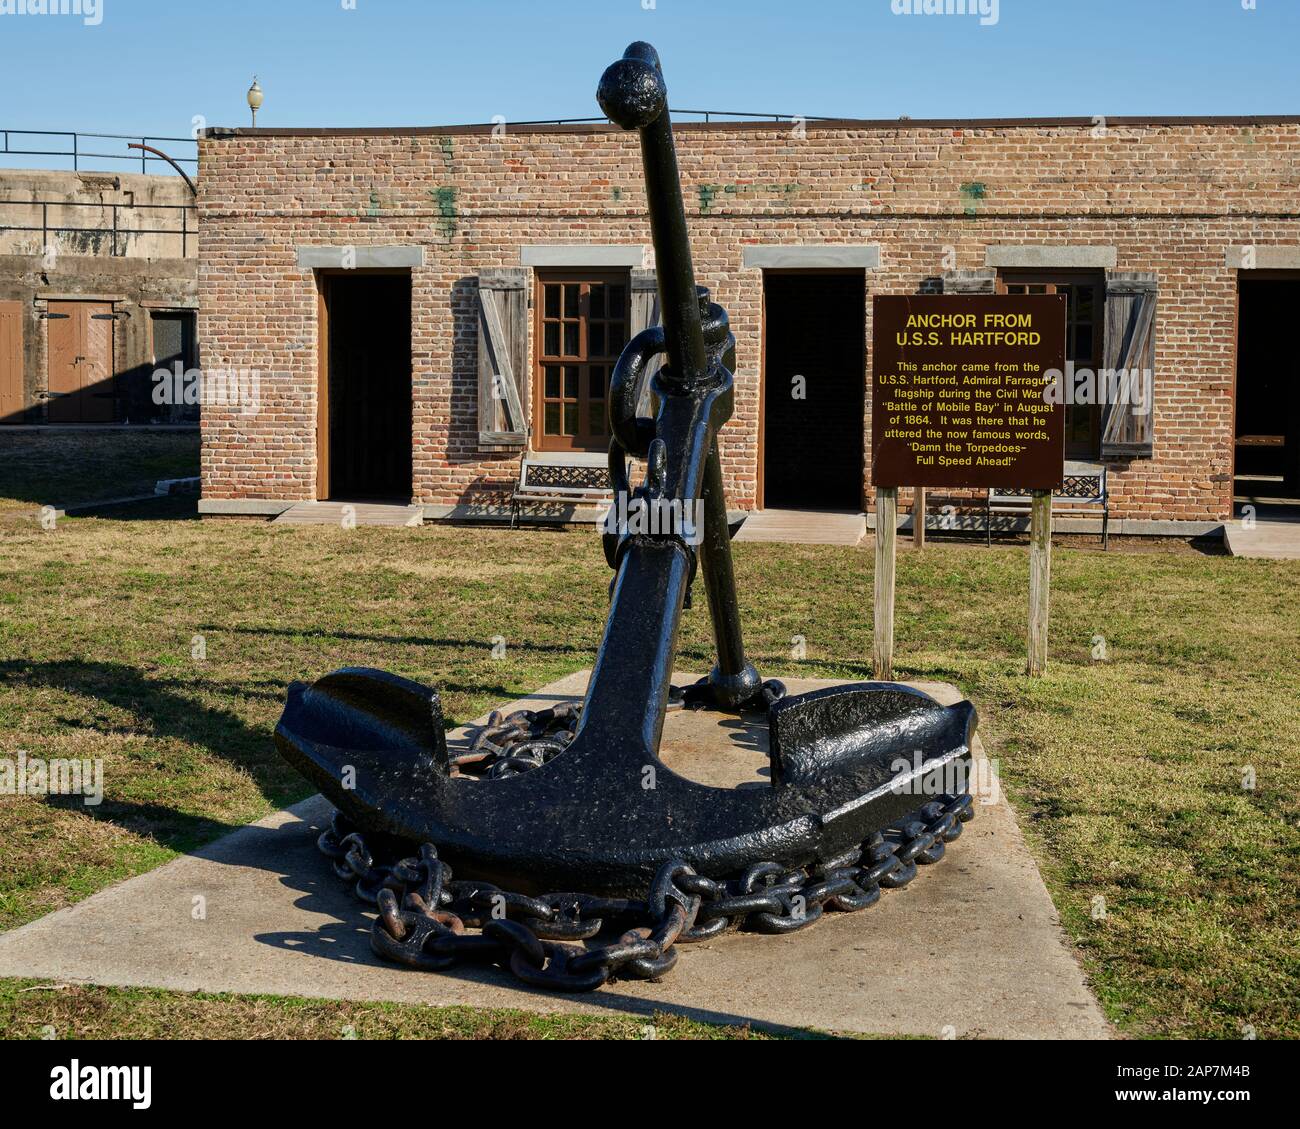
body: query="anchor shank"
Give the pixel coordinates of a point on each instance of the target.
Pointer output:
(633, 93)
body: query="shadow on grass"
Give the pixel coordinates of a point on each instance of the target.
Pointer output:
(400, 640)
(168, 507)
(161, 712)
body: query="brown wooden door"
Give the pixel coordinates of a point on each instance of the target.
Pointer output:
(81, 362)
(11, 362)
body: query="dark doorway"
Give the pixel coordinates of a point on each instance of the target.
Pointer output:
(815, 329)
(367, 414)
(1268, 392)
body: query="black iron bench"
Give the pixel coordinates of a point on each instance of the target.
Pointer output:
(544, 481)
(1078, 493)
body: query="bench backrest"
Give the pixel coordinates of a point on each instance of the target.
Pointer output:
(1077, 489)
(563, 478)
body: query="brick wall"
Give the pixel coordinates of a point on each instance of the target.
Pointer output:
(1169, 197)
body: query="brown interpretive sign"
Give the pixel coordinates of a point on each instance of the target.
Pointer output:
(960, 391)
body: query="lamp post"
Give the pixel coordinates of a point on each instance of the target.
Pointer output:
(255, 99)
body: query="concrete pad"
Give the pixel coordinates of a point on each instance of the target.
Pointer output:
(1265, 540)
(973, 944)
(804, 527)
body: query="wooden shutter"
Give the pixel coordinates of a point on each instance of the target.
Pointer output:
(645, 315)
(970, 282)
(503, 358)
(11, 362)
(1130, 346)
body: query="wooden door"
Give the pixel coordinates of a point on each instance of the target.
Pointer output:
(80, 362)
(11, 362)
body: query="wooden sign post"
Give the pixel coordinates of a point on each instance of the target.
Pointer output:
(1040, 580)
(959, 400)
(886, 561)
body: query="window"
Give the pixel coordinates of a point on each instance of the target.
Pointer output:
(173, 338)
(1085, 295)
(581, 330)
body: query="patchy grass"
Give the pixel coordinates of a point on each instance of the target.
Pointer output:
(33, 1010)
(60, 468)
(1127, 774)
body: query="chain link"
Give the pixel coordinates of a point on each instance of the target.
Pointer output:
(425, 915)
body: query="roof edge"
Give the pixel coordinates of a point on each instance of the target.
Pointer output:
(219, 133)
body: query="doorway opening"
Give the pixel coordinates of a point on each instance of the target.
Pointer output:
(364, 423)
(1267, 432)
(814, 378)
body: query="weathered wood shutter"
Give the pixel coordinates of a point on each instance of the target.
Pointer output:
(970, 282)
(503, 358)
(645, 314)
(1130, 350)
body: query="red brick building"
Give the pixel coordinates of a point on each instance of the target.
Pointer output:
(382, 283)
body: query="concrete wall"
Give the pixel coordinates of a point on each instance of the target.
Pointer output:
(1164, 197)
(147, 271)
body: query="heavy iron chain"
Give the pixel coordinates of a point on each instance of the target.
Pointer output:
(424, 914)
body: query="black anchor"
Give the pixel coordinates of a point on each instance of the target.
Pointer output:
(605, 813)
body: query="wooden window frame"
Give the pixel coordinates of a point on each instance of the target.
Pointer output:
(586, 439)
(1072, 277)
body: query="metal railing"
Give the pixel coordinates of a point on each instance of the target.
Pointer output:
(120, 236)
(707, 115)
(77, 152)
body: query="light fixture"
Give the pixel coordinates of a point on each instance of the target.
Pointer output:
(255, 98)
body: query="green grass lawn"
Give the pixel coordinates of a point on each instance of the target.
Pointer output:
(1127, 774)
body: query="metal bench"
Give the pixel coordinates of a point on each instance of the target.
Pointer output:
(1080, 491)
(544, 480)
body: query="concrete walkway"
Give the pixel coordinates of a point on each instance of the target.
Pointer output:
(804, 527)
(971, 948)
(1265, 540)
(360, 513)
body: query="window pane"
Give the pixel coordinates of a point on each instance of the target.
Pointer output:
(597, 301)
(1083, 303)
(552, 426)
(552, 301)
(572, 337)
(597, 417)
(617, 338)
(596, 382)
(618, 301)
(552, 343)
(1083, 343)
(571, 296)
(570, 419)
(552, 382)
(596, 339)
(570, 383)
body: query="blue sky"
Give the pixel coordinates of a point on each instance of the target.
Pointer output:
(151, 66)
